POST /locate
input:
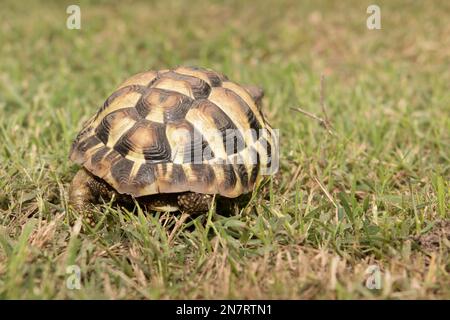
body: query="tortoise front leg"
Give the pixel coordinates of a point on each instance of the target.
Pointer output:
(85, 191)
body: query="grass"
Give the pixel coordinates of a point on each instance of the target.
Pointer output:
(374, 193)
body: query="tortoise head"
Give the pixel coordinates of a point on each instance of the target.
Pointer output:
(257, 93)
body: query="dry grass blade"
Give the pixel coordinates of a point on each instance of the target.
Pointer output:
(324, 122)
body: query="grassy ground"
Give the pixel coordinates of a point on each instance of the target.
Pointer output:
(374, 193)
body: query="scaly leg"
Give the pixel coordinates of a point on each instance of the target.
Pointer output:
(85, 191)
(191, 202)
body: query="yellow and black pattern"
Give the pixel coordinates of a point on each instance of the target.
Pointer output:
(170, 131)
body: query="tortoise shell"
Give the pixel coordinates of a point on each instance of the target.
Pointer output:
(170, 131)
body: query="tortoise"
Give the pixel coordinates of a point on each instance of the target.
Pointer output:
(173, 140)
